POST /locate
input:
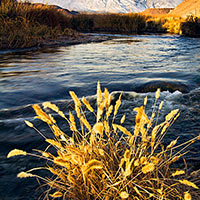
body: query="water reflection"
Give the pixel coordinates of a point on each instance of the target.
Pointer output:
(131, 60)
(17, 73)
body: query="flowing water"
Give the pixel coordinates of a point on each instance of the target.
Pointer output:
(136, 65)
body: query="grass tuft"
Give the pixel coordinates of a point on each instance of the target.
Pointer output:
(105, 161)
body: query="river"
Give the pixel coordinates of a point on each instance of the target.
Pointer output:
(136, 65)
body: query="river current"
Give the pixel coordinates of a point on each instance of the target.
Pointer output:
(136, 65)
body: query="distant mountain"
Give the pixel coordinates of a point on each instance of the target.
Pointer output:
(113, 6)
(187, 7)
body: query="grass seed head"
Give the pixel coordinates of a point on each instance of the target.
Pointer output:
(123, 129)
(158, 93)
(16, 152)
(145, 101)
(51, 106)
(148, 168)
(108, 113)
(98, 128)
(178, 172)
(57, 132)
(172, 143)
(87, 104)
(42, 115)
(171, 115)
(24, 175)
(56, 195)
(123, 119)
(72, 123)
(161, 105)
(90, 165)
(124, 195)
(99, 94)
(86, 123)
(78, 111)
(29, 124)
(187, 196)
(75, 98)
(189, 183)
(117, 105)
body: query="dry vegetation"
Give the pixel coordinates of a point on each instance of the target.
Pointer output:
(111, 23)
(105, 161)
(135, 24)
(26, 25)
(189, 26)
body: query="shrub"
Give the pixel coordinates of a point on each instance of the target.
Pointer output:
(21, 33)
(27, 25)
(112, 23)
(173, 25)
(155, 25)
(106, 161)
(191, 27)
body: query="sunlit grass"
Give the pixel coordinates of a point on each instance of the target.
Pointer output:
(189, 26)
(26, 25)
(104, 160)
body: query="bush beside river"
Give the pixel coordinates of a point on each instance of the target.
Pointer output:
(25, 25)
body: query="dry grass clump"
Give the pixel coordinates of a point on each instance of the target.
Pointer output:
(173, 25)
(21, 33)
(165, 24)
(26, 25)
(106, 161)
(189, 26)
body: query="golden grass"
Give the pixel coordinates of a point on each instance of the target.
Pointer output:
(105, 161)
(174, 24)
(25, 25)
(16, 152)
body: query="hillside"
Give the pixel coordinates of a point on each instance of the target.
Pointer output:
(187, 7)
(156, 11)
(112, 6)
(65, 12)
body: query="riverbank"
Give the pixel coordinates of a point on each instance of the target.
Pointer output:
(65, 41)
(26, 25)
(80, 39)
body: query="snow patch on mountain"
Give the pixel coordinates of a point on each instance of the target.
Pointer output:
(113, 6)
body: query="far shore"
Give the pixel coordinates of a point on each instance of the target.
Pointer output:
(65, 41)
(24, 26)
(80, 39)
